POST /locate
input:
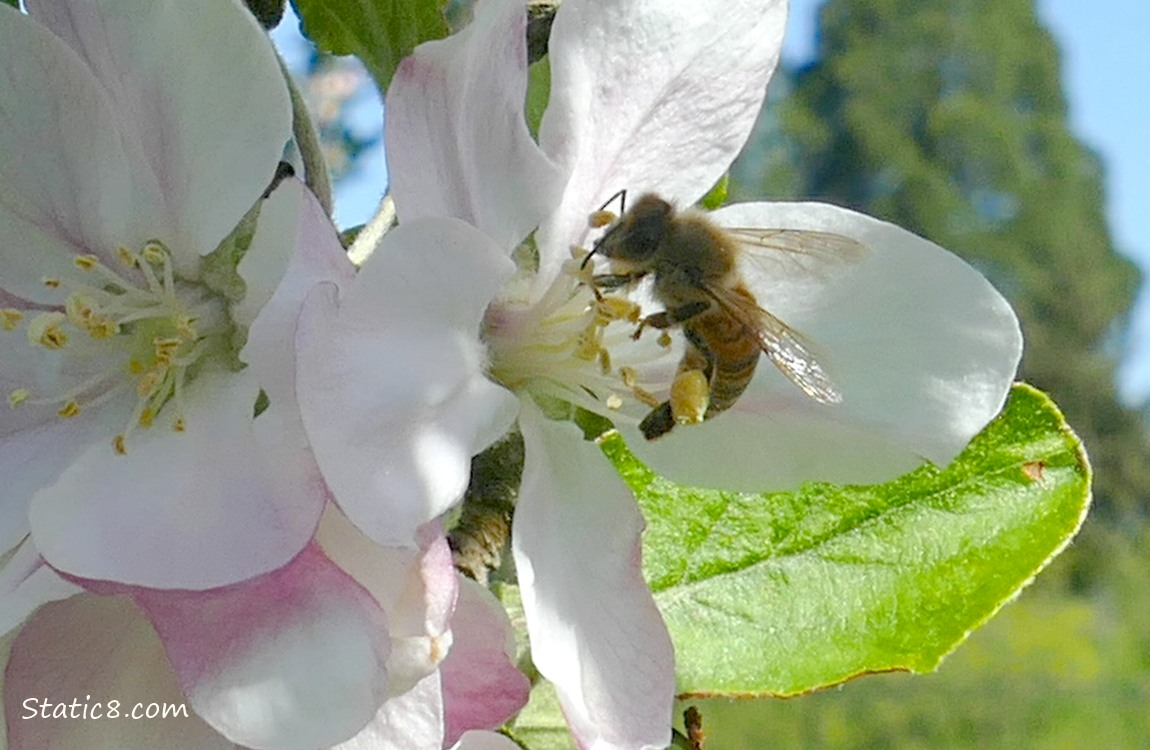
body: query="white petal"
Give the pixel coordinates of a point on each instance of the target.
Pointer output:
(921, 346)
(416, 588)
(295, 246)
(412, 721)
(203, 131)
(652, 95)
(594, 628)
(65, 186)
(203, 508)
(457, 139)
(94, 650)
(33, 457)
(484, 741)
(391, 376)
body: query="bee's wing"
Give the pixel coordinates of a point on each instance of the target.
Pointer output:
(790, 250)
(788, 349)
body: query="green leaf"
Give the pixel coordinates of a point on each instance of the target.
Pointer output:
(13, 3)
(538, 93)
(716, 196)
(784, 593)
(540, 725)
(378, 32)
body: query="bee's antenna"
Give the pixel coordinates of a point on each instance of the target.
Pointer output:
(621, 196)
(587, 258)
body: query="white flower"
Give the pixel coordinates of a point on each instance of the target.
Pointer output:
(347, 646)
(128, 154)
(443, 340)
(153, 452)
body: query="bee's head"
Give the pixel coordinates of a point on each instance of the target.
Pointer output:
(638, 233)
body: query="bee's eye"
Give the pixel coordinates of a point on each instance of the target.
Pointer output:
(645, 233)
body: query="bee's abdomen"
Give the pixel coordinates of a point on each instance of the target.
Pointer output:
(734, 354)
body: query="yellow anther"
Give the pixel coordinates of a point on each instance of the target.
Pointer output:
(44, 330)
(118, 445)
(186, 327)
(601, 219)
(645, 396)
(10, 317)
(86, 262)
(590, 344)
(629, 376)
(618, 308)
(146, 417)
(17, 397)
(614, 403)
(664, 339)
(155, 253)
(127, 257)
(604, 361)
(50, 281)
(148, 383)
(179, 425)
(690, 395)
(102, 328)
(69, 410)
(165, 349)
(78, 310)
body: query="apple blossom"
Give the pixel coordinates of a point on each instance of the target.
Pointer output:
(161, 509)
(456, 327)
(280, 661)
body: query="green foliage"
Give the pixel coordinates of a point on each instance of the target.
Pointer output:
(378, 32)
(13, 3)
(716, 196)
(947, 117)
(784, 593)
(538, 93)
(1051, 672)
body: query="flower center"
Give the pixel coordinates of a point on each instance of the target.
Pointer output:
(148, 330)
(573, 344)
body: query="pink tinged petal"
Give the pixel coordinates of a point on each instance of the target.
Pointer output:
(203, 130)
(652, 95)
(92, 650)
(26, 583)
(295, 247)
(594, 628)
(921, 346)
(457, 139)
(65, 187)
(482, 689)
(416, 588)
(202, 508)
(484, 741)
(412, 721)
(292, 659)
(391, 376)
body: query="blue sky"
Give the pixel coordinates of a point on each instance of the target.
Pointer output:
(1105, 53)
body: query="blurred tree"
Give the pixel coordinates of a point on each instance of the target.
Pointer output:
(947, 117)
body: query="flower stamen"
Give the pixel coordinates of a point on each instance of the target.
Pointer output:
(156, 326)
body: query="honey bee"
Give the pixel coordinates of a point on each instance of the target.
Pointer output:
(694, 265)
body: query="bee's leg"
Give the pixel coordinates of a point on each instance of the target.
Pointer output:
(659, 422)
(667, 318)
(689, 397)
(616, 280)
